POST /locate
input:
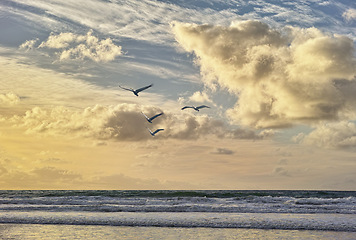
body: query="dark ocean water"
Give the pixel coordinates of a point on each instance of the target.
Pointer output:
(291, 210)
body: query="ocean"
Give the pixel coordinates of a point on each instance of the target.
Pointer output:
(53, 214)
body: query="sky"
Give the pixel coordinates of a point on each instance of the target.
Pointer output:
(279, 78)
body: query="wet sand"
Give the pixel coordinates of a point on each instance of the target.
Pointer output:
(41, 231)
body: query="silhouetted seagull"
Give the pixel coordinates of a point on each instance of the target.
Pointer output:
(137, 90)
(154, 133)
(151, 118)
(195, 108)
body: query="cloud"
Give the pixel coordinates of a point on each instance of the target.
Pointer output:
(51, 160)
(124, 122)
(55, 178)
(147, 20)
(195, 127)
(223, 151)
(141, 20)
(281, 76)
(52, 174)
(349, 15)
(283, 161)
(39, 178)
(9, 98)
(341, 135)
(73, 46)
(325, 3)
(281, 171)
(28, 45)
(29, 85)
(200, 97)
(120, 181)
(62, 40)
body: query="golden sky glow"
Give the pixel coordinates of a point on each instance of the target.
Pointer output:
(281, 95)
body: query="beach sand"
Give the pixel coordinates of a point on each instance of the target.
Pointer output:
(39, 231)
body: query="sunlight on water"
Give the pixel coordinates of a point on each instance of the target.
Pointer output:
(53, 232)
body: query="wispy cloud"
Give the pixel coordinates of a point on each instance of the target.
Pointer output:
(142, 20)
(149, 20)
(281, 76)
(35, 86)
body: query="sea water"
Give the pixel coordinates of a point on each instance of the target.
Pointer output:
(177, 215)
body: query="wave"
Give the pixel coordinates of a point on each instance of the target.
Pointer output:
(174, 201)
(242, 194)
(310, 210)
(329, 222)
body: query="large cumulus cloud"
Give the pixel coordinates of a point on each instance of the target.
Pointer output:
(100, 122)
(281, 77)
(124, 122)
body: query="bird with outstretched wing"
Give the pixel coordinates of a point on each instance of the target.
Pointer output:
(156, 131)
(195, 108)
(149, 119)
(202, 106)
(137, 90)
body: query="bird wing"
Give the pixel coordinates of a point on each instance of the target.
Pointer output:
(145, 115)
(202, 106)
(186, 107)
(143, 88)
(150, 131)
(157, 115)
(128, 89)
(160, 129)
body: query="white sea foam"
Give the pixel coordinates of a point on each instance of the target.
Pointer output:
(265, 204)
(217, 209)
(332, 222)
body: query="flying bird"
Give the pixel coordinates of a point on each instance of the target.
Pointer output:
(195, 108)
(137, 90)
(154, 133)
(151, 118)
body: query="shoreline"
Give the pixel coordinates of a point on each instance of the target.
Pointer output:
(51, 231)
